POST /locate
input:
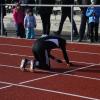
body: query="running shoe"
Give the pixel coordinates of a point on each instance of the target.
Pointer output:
(23, 64)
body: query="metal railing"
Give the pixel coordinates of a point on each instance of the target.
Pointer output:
(39, 5)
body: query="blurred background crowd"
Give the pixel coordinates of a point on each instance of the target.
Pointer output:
(28, 21)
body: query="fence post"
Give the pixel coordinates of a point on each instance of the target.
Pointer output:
(72, 23)
(1, 20)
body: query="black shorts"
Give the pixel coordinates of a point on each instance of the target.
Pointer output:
(41, 56)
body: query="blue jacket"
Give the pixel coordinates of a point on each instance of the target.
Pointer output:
(29, 21)
(93, 14)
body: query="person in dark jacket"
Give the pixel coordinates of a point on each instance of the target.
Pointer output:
(93, 14)
(66, 12)
(83, 19)
(27, 2)
(45, 14)
(41, 51)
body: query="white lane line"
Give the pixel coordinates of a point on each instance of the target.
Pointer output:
(6, 87)
(18, 39)
(89, 44)
(47, 76)
(54, 74)
(80, 68)
(41, 78)
(33, 57)
(49, 90)
(59, 92)
(67, 42)
(16, 67)
(82, 62)
(6, 83)
(81, 52)
(21, 46)
(15, 54)
(64, 73)
(53, 91)
(85, 77)
(98, 79)
(14, 38)
(90, 53)
(9, 66)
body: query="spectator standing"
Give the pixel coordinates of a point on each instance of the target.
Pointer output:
(29, 24)
(27, 2)
(18, 16)
(93, 14)
(15, 1)
(66, 12)
(83, 18)
(45, 14)
(8, 1)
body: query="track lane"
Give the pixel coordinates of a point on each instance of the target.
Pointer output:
(93, 72)
(69, 84)
(93, 48)
(15, 41)
(30, 94)
(72, 56)
(14, 75)
(71, 46)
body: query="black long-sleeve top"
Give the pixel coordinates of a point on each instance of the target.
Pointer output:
(52, 42)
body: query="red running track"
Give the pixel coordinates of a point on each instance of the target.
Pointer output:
(79, 82)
